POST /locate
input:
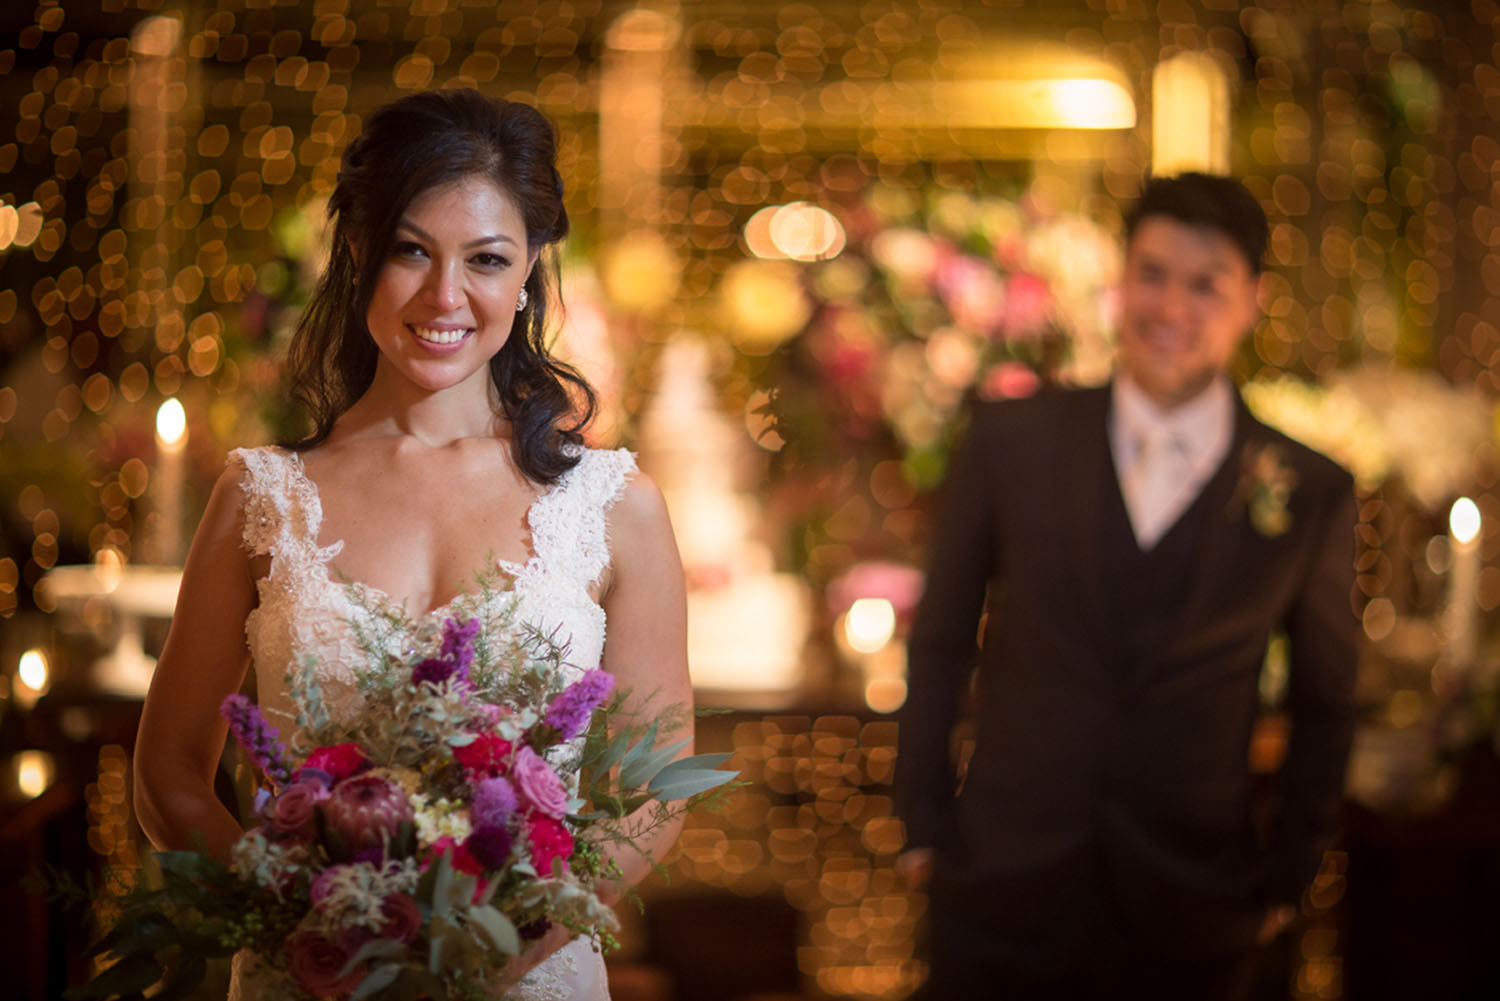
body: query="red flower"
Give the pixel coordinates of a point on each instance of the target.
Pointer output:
(459, 856)
(550, 841)
(462, 860)
(403, 918)
(316, 963)
(484, 757)
(340, 760)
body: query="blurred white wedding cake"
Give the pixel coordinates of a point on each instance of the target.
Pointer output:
(747, 624)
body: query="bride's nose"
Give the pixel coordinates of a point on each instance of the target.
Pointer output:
(445, 286)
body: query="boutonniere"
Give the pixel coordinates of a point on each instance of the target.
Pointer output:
(1265, 487)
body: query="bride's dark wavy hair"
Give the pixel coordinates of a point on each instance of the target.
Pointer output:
(407, 147)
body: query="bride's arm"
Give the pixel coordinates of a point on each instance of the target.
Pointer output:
(645, 648)
(204, 659)
(645, 645)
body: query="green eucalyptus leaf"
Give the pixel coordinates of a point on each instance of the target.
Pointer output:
(704, 761)
(378, 979)
(498, 929)
(643, 769)
(684, 784)
(461, 890)
(641, 747)
(404, 844)
(442, 887)
(610, 805)
(380, 948)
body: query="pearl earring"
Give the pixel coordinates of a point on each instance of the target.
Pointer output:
(521, 301)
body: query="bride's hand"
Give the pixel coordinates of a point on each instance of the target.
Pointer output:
(533, 956)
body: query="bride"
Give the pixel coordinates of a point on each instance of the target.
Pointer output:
(446, 445)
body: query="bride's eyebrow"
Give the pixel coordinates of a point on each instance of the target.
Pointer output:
(419, 231)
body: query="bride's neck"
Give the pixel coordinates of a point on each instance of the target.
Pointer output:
(392, 408)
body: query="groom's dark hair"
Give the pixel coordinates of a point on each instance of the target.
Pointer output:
(1212, 202)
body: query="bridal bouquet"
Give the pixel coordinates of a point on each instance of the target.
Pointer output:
(413, 850)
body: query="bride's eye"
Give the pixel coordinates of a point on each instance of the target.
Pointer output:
(406, 248)
(490, 261)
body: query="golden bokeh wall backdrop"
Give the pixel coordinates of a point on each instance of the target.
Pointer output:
(164, 171)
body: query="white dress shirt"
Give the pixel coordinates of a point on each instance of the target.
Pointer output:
(1164, 458)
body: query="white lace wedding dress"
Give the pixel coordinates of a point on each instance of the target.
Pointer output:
(303, 610)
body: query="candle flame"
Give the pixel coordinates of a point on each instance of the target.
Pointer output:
(1464, 521)
(33, 670)
(171, 422)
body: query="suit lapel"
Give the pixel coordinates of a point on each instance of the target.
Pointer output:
(1090, 471)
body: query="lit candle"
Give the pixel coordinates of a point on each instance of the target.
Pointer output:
(171, 440)
(1460, 620)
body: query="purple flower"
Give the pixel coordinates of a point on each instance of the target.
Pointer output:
(490, 845)
(458, 643)
(433, 670)
(257, 737)
(494, 802)
(570, 711)
(454, 657)
(538, 783)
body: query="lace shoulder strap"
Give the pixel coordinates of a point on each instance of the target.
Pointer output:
(568, 526)
(280, 505)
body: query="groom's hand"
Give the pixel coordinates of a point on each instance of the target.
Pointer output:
(915, 867)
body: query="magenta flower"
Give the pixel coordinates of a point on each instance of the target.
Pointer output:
(366, 811)
(550, 843)
(338, 761)
(257, 737)
(571, 710)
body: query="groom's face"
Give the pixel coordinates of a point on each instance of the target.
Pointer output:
(1189, 297)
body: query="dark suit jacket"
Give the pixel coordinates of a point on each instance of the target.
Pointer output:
(1100, 770)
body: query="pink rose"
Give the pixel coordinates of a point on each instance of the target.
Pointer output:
(538, 784)
(550, 842)
(340, 760)
(296, 808)
(403, 918)
(315, 965)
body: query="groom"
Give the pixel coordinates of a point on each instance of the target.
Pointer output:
(1134, 548)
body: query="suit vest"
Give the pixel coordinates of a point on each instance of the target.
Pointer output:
(1145, 591)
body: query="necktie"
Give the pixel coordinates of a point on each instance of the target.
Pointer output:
(1158, 486)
